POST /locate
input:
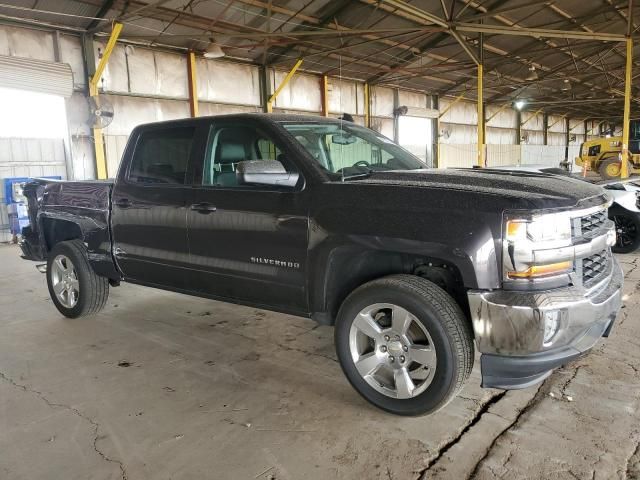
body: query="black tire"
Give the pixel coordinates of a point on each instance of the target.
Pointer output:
(442, 318)
(627, 230)
(93, 290)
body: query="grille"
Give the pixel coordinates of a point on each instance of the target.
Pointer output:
(593, 222)
(594, 267)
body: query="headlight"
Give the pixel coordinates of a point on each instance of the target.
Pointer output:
(524, 236)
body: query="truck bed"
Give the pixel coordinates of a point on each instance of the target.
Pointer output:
(57, 209)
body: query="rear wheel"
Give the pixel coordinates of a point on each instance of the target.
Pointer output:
(404, 344)
(74, 287)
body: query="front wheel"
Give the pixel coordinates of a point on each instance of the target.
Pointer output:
(610, 168)
(404, 344)
(627, 231)
(74, 287)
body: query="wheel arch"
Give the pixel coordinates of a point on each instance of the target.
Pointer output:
(348, 267)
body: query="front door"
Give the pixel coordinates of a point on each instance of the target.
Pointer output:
(149, 204)
(247, 243)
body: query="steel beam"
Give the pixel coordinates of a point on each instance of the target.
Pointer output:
(538, 32)
(98, 142)
(284, 83)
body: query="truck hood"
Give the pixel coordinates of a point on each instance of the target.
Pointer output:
(525, 189)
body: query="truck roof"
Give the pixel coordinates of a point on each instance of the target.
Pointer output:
(264, 117)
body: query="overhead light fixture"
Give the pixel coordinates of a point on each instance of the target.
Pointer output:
(566, 85)
(532, 74)
(519, 104)
(213, 50)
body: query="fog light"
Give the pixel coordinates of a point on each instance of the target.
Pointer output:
(552, 320)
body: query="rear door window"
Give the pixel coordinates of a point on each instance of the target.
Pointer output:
(162, 156)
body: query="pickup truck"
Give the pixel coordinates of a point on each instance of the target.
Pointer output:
(323, 218)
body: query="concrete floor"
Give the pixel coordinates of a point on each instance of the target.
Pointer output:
(165, 386)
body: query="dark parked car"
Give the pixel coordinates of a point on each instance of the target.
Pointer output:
(325, 219)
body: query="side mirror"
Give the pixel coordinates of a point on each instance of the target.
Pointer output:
(265, 172)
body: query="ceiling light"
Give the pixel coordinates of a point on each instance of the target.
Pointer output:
(566, 85)
(213, 50)
(519, 104)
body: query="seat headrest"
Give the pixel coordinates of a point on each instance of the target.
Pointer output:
(230, 152)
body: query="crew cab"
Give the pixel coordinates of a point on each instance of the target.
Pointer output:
(326, 219)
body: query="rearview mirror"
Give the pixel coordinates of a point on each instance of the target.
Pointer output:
(265, 172)
(343, 139)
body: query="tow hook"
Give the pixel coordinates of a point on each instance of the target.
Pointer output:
(42, 267)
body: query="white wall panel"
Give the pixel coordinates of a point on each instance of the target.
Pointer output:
(227, 82)
(547, 155)
(457, 155)
(503, 155)
(132, 111)
(381, 102)
(26, 42)
(71, 53)
(344, 96)
(301, 93)
(412, 99)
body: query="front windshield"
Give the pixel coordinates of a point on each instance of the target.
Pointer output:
(347, 150)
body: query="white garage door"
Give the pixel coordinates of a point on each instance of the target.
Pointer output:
(36, 75)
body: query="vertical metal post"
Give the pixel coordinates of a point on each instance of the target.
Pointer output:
(435, 133)
(481, 122)
(98, 141)
(480, 118)
(263, 75)
(367, 106)
(324, 94)
(545, 128)
(567, 138)
(624, 170)
(396, 118)
(193, 84)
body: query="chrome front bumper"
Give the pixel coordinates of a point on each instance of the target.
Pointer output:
(509, 328)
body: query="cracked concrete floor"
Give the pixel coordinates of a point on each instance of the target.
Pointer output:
(165, 386)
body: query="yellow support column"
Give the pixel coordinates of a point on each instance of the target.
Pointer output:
(193, 84)
(98, 142)
(284, 83)
(324, 93)
(624, 170)
(481, 125)
(367, 106)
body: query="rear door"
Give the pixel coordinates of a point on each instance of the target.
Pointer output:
(247, 243)
(149, 206)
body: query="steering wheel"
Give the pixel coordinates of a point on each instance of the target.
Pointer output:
(362, 163)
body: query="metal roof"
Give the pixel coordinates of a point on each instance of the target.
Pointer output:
(558, 55)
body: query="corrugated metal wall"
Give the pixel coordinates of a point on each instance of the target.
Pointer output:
(28, 157)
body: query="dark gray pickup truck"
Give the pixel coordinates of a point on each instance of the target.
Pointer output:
(325, 219)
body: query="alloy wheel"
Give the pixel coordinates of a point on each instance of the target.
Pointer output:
(392, 351)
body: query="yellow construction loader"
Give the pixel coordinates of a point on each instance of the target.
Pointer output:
(603, 155)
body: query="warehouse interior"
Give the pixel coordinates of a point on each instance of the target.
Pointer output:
(458, 83)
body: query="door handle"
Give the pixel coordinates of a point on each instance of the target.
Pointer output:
(203, 207)
(122, 203)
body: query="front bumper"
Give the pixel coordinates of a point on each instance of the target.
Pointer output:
(509, 328)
